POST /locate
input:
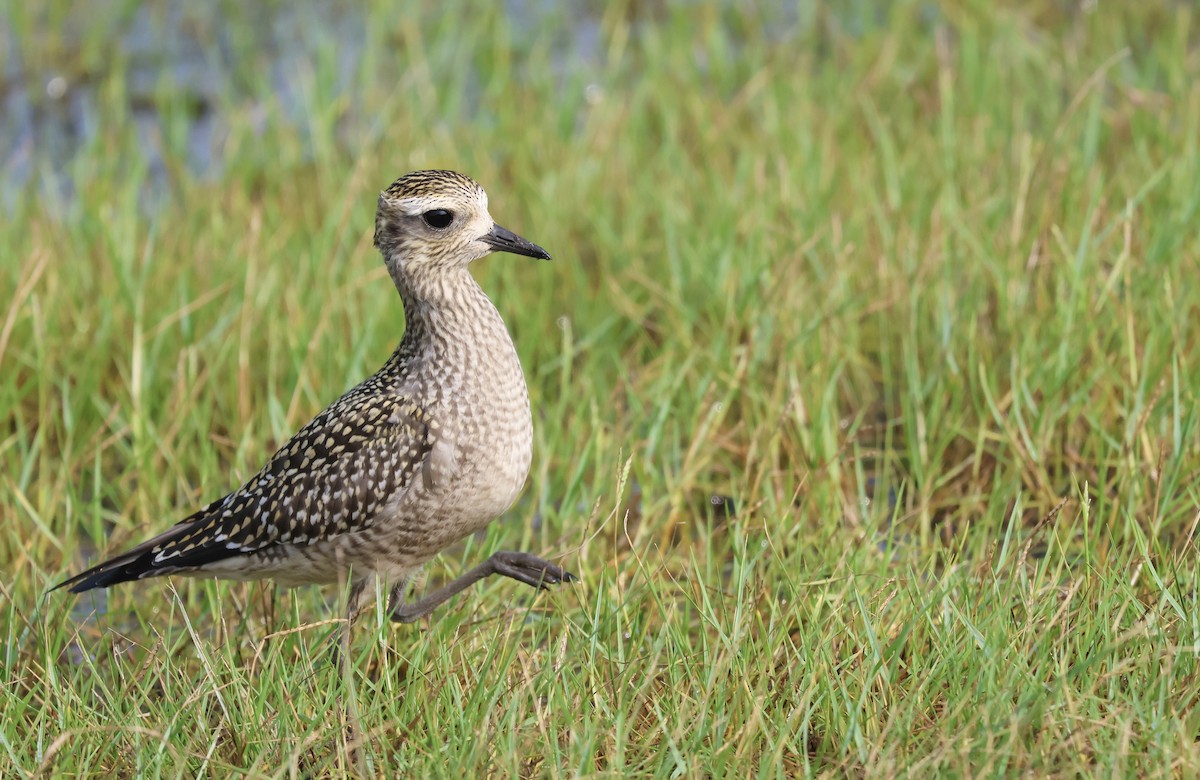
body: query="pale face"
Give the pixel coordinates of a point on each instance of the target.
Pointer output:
(438, 219)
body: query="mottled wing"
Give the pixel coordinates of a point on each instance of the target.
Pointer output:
(331, 478)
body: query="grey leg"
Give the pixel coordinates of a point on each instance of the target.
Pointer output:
(520, 566)
(354, 601)
(398, 596)
(339, 640)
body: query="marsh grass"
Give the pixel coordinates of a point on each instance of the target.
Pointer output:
(907, 290)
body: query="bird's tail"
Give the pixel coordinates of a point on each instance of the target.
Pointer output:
(135, 564)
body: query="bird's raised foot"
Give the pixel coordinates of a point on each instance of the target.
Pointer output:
(529, 569)
(522, 567)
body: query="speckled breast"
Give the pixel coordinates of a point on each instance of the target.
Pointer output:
(500, 457)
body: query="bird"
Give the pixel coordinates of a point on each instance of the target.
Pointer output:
(423, 453)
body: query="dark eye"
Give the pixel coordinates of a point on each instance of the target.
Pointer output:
(438, 218)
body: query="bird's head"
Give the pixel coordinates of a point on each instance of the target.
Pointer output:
(430, 220)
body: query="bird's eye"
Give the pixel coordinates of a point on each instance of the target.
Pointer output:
(438, 218)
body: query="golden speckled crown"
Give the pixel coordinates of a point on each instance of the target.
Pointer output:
(420, 184)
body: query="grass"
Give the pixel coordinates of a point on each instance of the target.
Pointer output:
(865, 389)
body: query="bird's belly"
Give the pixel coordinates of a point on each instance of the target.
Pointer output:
(484, 480)
(500, 477)
(490, 481)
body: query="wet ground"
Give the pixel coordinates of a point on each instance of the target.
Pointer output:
(260, 59)
(203, 59)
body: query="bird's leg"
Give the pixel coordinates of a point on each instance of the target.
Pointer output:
(339, 645)
(397, 596)
(520, 566)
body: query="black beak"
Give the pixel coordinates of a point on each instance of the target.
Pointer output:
(504, 240)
